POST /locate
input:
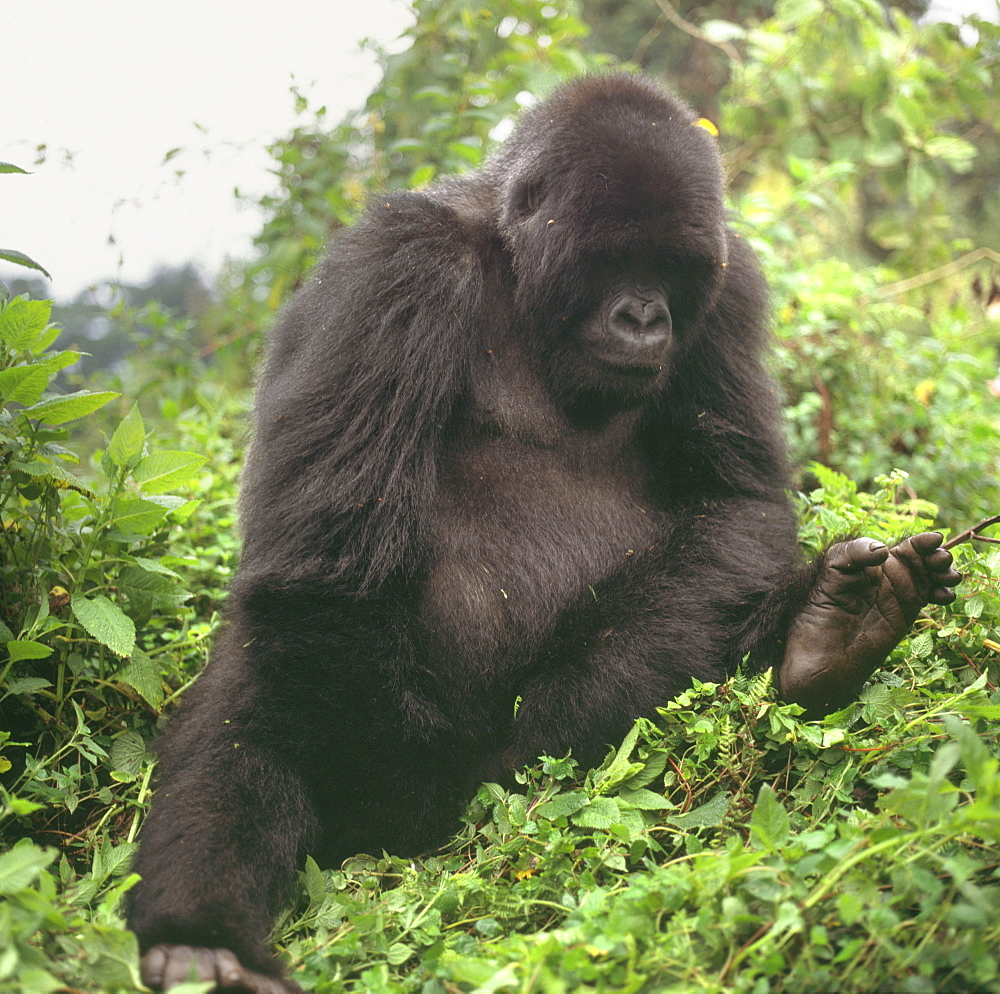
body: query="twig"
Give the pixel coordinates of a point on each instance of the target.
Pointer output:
(972, 534)
(890, 289)
(671, 14)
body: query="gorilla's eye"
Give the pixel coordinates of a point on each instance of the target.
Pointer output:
(529, 197)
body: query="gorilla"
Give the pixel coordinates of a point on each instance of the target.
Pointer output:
(513, 442)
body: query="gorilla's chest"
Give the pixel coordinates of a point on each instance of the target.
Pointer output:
(520, 532)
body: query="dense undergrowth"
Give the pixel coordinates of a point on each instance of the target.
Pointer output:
(724, 846)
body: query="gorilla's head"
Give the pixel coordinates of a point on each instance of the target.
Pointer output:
(610, 204)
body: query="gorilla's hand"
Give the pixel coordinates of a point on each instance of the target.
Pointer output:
(166, 966)
(864, 601)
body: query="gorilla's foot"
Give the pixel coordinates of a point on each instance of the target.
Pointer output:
(165, 966)
(864, 601)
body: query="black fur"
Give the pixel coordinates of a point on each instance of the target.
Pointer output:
(471, 481)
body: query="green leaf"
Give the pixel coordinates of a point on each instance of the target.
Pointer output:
(105, 622)
(28, 684)
(646, 800)
(134, 516)
(28, 650)
(25, 384)
(20, 259)
(602, 812)
(143, 676)
(562, 805)
(21, 865)
(9, 167)
(160, 472)
(709, 815)
(23, 322)
(127, 752)
(769, 823)
(160, 590)
(59, 410)
(125, 447)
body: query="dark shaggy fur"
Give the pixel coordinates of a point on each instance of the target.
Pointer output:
(513, 440)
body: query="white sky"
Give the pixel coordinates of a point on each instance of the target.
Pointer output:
(119, 83)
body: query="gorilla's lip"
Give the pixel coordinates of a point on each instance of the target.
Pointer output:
(632, 370)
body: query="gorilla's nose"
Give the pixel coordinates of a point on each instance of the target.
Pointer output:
(643, 321)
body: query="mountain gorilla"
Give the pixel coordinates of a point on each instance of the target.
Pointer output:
(512, 442)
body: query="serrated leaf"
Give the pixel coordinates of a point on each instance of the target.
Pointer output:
(52, 474)
(160, 590)
(19, 649)
(143, 676)
(105, 622)
(163, 471)
(71, 407)
(127, 752)
(135, 516)
(562, 805)
(22, 322)
(152, 566)
(646, 800)
(602, 812)
(709, 815)
(125, 447)
(25, 384)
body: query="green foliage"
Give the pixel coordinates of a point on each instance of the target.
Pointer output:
(92, 615)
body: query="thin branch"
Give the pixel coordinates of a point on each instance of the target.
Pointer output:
(891, 289)
(671, 14)
(972, 534)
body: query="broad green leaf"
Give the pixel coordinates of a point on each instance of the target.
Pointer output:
(20, 866)
(125, 447)
(53, 474)
(135, 516)
(158, 589)
(25, 384)
(708, 815)
(28, 684)
(646, 800)
(22, 322)
(59, 410)
(163, 471)
(105, 622)
(143, 676)
(9, 167)
(28, 650)
(563, 805)
(127, 752)
(769, 823)
(602, 812)
(153, 566)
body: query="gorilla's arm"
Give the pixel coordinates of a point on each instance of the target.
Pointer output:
(220, 848)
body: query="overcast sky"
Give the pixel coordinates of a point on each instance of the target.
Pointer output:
(117, 84)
